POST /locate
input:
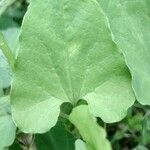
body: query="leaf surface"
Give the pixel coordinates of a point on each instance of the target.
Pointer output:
(80, 145)
(1, 89)
(130, 25)
(57, 138)
(66, 54)
(7, 127)
(91, 132)
(5, 77)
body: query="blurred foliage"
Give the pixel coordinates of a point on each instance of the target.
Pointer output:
(16, 10)
(146, 129)
(4, 4)
(132, 131)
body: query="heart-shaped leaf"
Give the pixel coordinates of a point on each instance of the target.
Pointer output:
(66, 54)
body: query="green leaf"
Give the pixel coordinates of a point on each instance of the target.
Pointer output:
(1, 88)
(134, 122)
(111, 99)
(57, 138)
(140, 147)
(80, 145)
(130, 25)
(66, 54)
(91, 132)
(7, 127)
(15, 146)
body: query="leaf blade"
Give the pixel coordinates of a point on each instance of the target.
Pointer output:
(68, 55)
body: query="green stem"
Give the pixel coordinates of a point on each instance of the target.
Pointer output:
(7, 52)
(65, 116)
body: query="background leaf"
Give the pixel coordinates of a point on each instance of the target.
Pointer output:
(130, 25)
(7, 127)
(10, 31)
(57, 138)
(140, 147)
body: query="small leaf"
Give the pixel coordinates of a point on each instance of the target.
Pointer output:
(91, 132)
(135, 122)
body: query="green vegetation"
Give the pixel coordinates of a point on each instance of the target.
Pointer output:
(74, 75)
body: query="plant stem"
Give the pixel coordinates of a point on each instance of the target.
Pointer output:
(7, 52)
(65, 116)
(26, 141)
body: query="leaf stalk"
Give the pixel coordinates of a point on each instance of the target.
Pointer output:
(7, 52)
